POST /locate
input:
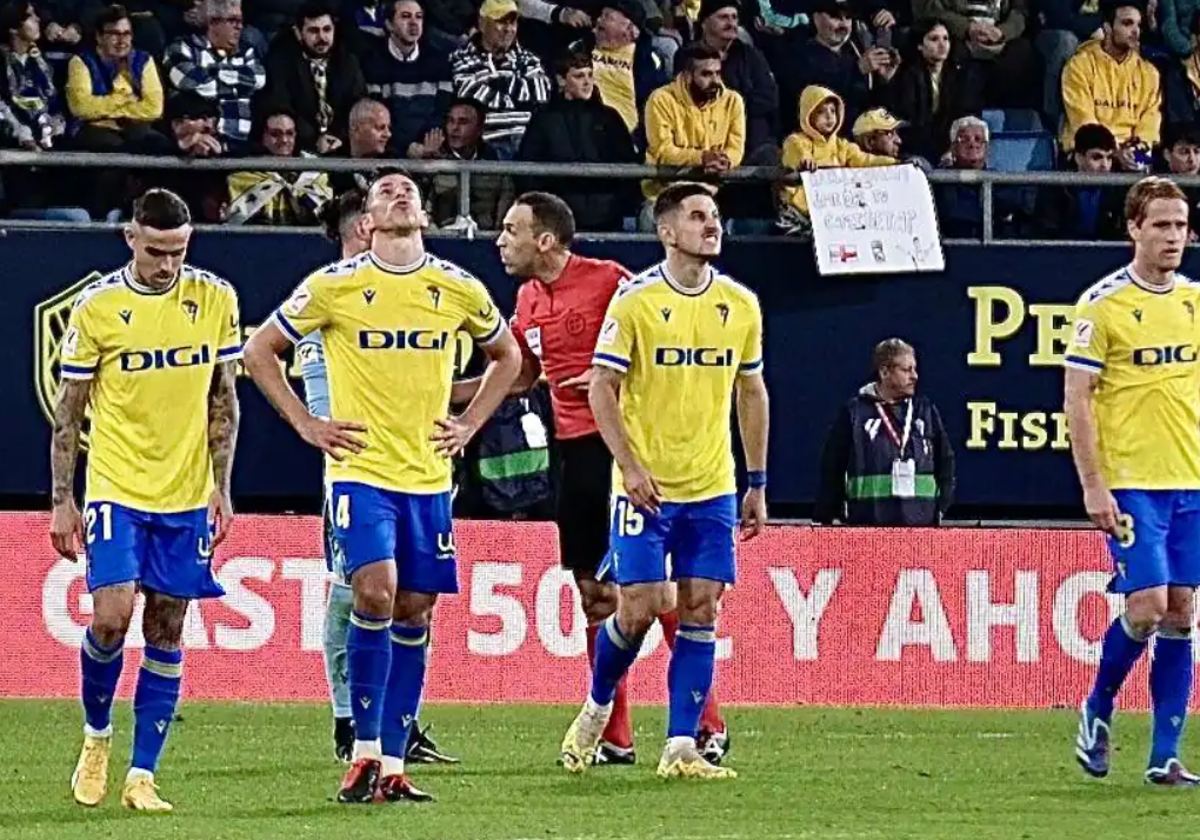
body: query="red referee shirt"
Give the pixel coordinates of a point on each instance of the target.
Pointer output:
(558, 323)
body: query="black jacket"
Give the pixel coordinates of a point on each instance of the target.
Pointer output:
(858, 454)
(1059, 214)
(746, 71)
(290, 86)
(910, 97)
(574, 131)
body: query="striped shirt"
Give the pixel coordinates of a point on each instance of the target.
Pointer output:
(511, 86)
(193, 64)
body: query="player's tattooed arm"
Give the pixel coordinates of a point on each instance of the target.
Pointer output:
(224, 416)
(68, 424)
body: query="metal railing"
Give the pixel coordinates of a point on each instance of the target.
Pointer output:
(986, 180)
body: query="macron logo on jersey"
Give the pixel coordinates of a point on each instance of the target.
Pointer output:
(402, 339)
(135, 361)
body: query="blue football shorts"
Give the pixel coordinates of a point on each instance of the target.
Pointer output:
(698, 537)
(1159, 544)
(169, 553)
(416, 530)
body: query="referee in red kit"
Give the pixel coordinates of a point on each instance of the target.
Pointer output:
(559, 313)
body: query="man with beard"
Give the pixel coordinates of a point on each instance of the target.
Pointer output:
(312, 76)
(677, 343)
(389, 487)
(694, 121)
(559, 311)
(1109, 83)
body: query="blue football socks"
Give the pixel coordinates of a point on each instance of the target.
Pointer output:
(100, 668)
(615, 655)
(1170, 690)
(690, 678)
(154, 702)
(406, 680)
(1120, 652)
(368, 659)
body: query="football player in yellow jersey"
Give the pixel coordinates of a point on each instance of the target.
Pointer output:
(1133, 409)
(679, 341)
(153, 347)
(387, 320)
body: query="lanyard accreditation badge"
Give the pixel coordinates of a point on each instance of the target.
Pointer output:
(904, 470)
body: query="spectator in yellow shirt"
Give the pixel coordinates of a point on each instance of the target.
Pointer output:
(114, 92)
(1107, 82)
(695, 121)
(817, 146)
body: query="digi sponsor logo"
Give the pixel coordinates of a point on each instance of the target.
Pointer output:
(136, 361)
(402, 339)
(1178, 354)
(693, 357)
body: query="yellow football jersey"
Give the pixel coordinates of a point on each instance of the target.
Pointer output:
(681, 351)
(1143, 344)
(150, 355)
(389, 337)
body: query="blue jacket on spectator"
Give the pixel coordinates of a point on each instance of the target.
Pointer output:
(417, 92)
(1069, 15)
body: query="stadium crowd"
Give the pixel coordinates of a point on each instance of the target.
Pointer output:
(1077, 85)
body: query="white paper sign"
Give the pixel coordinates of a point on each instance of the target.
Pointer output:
(873, 221)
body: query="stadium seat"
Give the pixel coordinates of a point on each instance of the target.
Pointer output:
(1012, 119)
(994, 117)
(1021, 151)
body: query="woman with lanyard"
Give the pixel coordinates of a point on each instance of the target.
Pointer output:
(887, 460)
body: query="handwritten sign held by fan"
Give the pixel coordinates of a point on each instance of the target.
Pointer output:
(873, 221)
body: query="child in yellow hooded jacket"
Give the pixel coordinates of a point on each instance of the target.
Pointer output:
(817, 144)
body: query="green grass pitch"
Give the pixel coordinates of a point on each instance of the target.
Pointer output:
(259, 772)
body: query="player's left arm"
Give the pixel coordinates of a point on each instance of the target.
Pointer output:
(224, 416)
(484, 324)
(753, 413)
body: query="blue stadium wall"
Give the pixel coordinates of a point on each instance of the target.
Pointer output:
(989, 332)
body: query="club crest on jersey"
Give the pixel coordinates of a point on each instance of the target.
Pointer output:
(296, 303)
(435, 296)
(53, 337)
(191, 309)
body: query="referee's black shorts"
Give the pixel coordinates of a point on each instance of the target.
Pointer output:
(584, 482)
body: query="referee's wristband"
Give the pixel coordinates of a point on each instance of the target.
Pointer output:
(756, 478)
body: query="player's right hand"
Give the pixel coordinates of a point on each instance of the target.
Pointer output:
(641, 488)
(333, 437)
(66, 529)
(1102, 509)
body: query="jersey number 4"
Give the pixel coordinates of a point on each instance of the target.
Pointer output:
(341, 514)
